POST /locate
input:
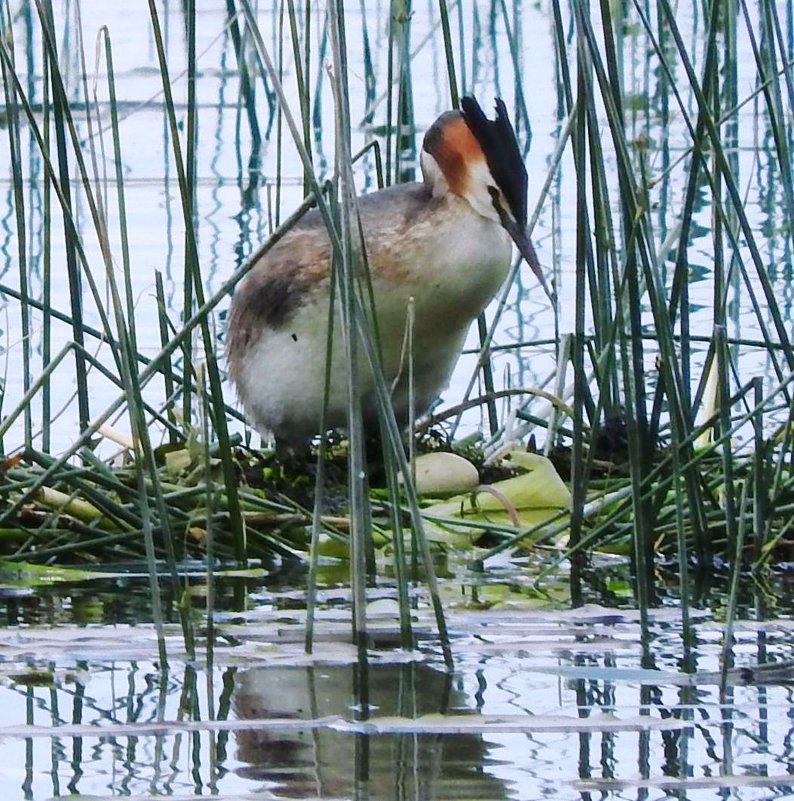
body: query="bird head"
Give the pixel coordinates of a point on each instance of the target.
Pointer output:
(478, 159)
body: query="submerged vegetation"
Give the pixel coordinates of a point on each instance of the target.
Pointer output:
(663, 197)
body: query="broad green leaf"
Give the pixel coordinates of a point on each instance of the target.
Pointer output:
(523, 501)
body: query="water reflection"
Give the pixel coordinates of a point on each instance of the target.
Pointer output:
(334, 764)
(577, 705)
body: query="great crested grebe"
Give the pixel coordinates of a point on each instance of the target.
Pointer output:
(444, 242)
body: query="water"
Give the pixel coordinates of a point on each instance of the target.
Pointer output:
(541, 701)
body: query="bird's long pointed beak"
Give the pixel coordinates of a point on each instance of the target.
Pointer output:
(527, 250)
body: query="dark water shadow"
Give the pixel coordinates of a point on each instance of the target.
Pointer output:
(328, 763)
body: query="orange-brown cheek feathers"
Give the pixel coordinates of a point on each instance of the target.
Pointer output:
(456, 151)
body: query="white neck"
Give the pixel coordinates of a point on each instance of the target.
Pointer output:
(434, 177)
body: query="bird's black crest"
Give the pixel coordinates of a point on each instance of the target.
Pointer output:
(498, 142)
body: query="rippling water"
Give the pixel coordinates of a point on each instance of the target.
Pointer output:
(540, 702)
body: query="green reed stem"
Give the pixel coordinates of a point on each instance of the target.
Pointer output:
(60, 116)
(194, 284)
(18, 183)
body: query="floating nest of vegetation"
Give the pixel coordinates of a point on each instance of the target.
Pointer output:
(96, 511)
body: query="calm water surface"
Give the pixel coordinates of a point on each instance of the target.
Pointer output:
(541, 701)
